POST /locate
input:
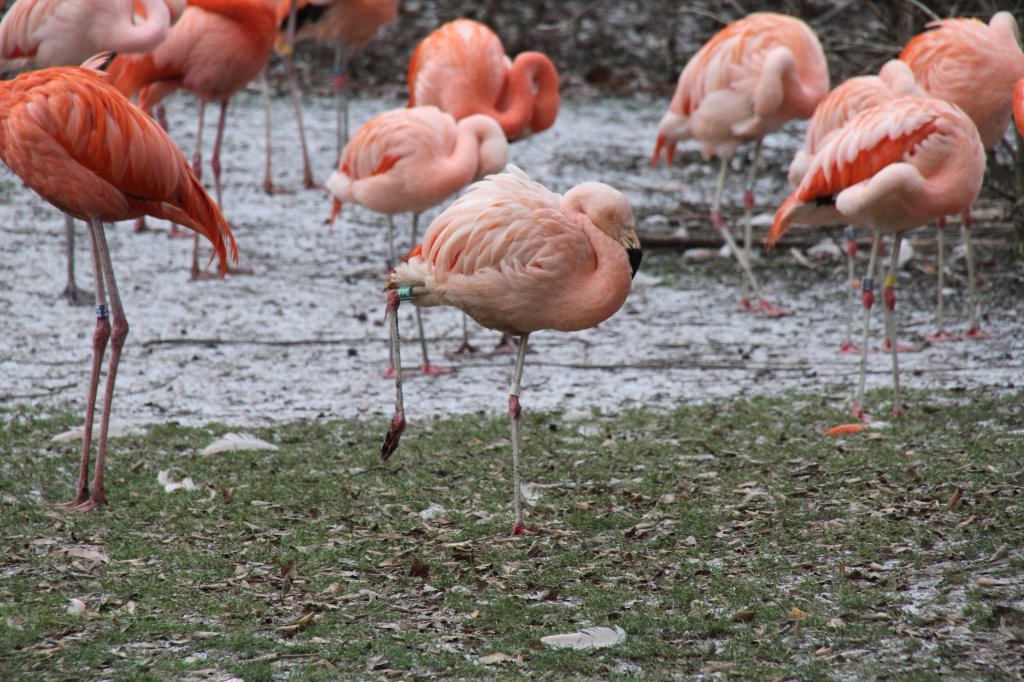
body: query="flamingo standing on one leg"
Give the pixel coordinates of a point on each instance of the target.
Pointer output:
(518, 258)
(36, 34)
(847, 99)
(348, 25)
(83, 147)
(462, 69)
(975, 66)
(750, 78)
(213, 51)
(1018, 106)
(892, 168)
(407, 160)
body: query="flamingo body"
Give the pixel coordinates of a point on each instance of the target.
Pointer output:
(408, 160)
(462, 69)
(353, 22)
(845, 101)
(1018, 106)
(83, 147)
(750, 78)
(518, 258)
(972, 64)
(42, 33)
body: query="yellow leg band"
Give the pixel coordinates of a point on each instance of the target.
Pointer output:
(890, 281)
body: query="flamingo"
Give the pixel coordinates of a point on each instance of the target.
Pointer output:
(349, 25)
(407, 160)
(976, 66)
(518, 258)
(213, 51)
(750, 78)
(1018, 106)
(892, 168)
(83, 147)
(35, 34)
(462, 69)
(840, 105)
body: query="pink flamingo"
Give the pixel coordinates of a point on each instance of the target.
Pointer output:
(213, 51)
(840, 105)
(1018, 106)
(892, 168)
(36, 34)
(750, 78)
(461, 68)
(348, 25)
(518, 258)
(975, 66)
(83, 147)
(408, 160)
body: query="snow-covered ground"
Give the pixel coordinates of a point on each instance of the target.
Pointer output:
(303, 336)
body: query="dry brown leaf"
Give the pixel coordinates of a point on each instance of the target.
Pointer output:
(743, 616)
(797, 613)
(985, 581)
(418, 569)
(303, 620)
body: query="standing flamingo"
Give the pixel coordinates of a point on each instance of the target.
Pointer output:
(407, 160)
(892, 168)
(847, 99)
(36, 34)
(518, 258)
(83, 147)
(461, 68)
(750, 78)
(976, 67)
(348, 24)
(1018, 106)
(213, 51)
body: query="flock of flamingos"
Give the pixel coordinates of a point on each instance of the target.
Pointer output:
(889, 153)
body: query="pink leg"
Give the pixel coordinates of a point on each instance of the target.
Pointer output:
(890, 314)
(867, 297)
(973, 331)
(100, 336)
(850, 235)
(72, 293)
(394, 434)
(268, 176)
(428, 369)
(514, 412)
(197, 168)
(940, 262)
(118, 333)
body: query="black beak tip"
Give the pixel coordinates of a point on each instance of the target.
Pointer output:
(635, 256)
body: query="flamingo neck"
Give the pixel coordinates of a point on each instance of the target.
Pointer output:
(530, 109)
(145, 35)
(603, 290)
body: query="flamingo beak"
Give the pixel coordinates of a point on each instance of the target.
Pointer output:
(632, 243)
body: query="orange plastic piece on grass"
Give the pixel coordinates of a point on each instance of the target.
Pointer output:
(845, 430)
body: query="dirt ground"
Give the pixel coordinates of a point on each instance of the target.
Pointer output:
(302, 337)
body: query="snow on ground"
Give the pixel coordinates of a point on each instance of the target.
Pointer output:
(303, 337)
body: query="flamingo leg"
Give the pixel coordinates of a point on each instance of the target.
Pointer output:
(890, 322)
(850, 236)
(217, 141)
(197, 168)
(72, 293)
(428, 369)
(748, 208)
(719, 222)
(940, 262)
(268, 176)
(394, 433)
(867, 297)
(100, 336)
(973, 331)
(118, 333)
(514, 412)
(391, 244)
(296, 95)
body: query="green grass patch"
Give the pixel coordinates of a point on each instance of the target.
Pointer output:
(730, 538)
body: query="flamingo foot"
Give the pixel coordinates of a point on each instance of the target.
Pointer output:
(848, 348)
(177, 233)
(141, 226)
(87, 504)
(310, 183)
(746, 306)
(975, 334)
(83, 496)
(272, 189)
(393, 436)
(771, 311)
(717, 220)
(860, 414)
(465, 350)
(902, 349)
(940, 336)
(77, 296)
(507, 345)
(898, 411)
(519, 529)
(432, 371)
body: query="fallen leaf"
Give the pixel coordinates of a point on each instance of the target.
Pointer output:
(419, 569)
(498, 657)
(303, 620)
(985, 581)
(743, 616)
(797, 614)
(234, 442)
(88, 554)
(590, 638)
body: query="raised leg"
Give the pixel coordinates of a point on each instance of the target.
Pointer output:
(890, 322)
(940, 268)
(867, 297)
(100, 335)
(72, 293)
(514, 412)
(394, 433)
(850, 236)
(719, 222)
(973, 331)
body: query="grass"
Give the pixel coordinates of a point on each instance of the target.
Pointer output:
(730, 539)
